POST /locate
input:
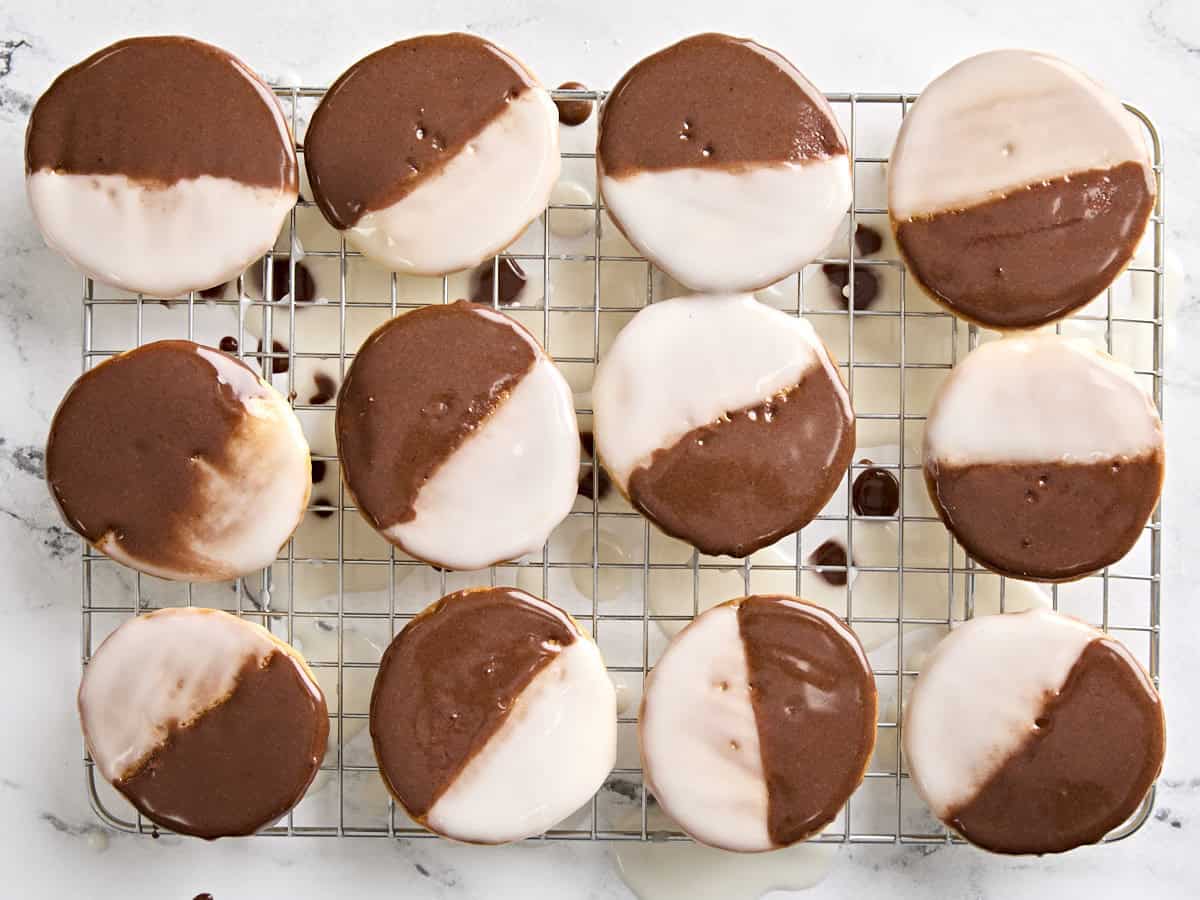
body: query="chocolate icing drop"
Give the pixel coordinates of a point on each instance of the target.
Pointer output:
(573, 112)
(244, 762)
(229, 344)
(1085, 766)
(450, 679)
(831, 553)
(326, 389)
(814, 702)
(318, 471)
(603, 484)
(512, 282)
(866, 284)
(876, 492)
(279, 364)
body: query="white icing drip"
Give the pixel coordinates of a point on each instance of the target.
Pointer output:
(163, 667)
(502, 492)
(479, 202)
(553, 752)
(722, 231)
(162, 241)
(249, 509)
(1040, 398)
(1004, 120)
(978, 695)
(699, 737)
(683, 363)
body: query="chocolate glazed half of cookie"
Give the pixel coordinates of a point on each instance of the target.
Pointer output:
(722, 420)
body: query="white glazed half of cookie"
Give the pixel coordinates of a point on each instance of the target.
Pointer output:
(1033, 732)
(138, 175)
(1018, 189)
(207, 723)
(493, 716)
(723, 420)
(457, 436)
(433, 153)
(1044, 457)
(722, 163)
(758, 723)
(178, 460)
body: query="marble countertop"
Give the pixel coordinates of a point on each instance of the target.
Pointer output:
(1148, 51)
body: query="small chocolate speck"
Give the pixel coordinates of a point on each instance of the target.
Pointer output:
(229, 344)
(512, 282)
(326, 389)
(876, 492)
(204, 896)
(323, 513)
(573, 112)
(318, 471)
(279, 365)
(831, 553)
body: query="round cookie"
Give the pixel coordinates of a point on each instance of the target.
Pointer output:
(178, 460)
(1018, 189)
(160, 165)
(722, 164)
(457, 436)
(493, 716)
(758, 723)
(723, 420)
(206, 723)
(434, 153)
(1033, 733)
(1044, 457)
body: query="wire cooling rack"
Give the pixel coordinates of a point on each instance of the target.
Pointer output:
(616, 570)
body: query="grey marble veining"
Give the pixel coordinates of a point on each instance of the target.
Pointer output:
(1149, 52)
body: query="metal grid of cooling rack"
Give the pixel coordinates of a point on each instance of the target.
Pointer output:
(269, 599)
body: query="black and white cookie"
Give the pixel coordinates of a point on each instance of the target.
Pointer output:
(206, 723)
(758, 722)
(457, 436)
(160, 165)
(723, 420)
(1044, 457)
(1018, 189)
(178, 460)
(722, 164)
(1033, 733)
(434, 153)
(493, 716)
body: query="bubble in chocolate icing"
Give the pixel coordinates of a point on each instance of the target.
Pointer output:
(831, 553)
(876, 492)
(512, 282)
